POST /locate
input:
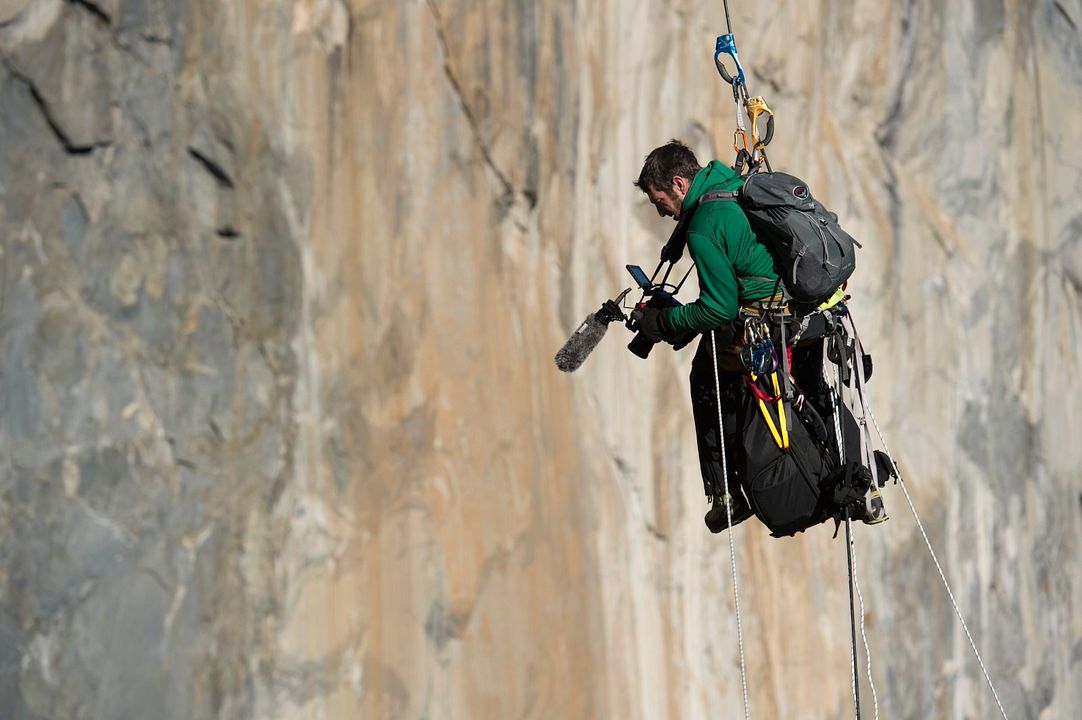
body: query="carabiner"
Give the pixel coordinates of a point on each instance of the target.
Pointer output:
(727, 45)
(740, 137)
(757, 106)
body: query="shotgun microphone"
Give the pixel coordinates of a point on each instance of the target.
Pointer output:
(588, 335)
(581, 343)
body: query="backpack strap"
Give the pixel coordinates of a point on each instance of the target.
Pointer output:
(678, 240)
(724, 195)
(778, 287)
(734, 196)
(674, 246)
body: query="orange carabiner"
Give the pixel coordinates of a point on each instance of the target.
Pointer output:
(740, 135)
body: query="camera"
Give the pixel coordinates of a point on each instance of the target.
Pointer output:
(640, 345)
(653, 296)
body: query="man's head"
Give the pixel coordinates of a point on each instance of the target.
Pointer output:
(666, 176)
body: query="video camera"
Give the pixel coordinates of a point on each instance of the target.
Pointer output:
(654, 295)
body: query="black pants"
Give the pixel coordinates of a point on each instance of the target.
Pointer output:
(807, 374)
(704, 408)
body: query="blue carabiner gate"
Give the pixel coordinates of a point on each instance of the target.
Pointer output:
(727, 46)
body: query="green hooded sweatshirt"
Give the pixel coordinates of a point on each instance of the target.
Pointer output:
(724, 248)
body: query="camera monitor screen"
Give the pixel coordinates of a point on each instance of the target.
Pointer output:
(639, 276)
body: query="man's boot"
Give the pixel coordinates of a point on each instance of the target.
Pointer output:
(717, 518)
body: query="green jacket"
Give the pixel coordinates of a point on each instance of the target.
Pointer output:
(724, 248)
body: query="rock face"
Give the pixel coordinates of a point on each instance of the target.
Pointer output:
(281, 435)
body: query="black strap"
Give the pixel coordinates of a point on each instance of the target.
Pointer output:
(674, 246)
(726, 195)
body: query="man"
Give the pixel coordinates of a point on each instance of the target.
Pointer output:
(734, 271)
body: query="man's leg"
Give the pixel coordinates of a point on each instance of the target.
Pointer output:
(705, 412)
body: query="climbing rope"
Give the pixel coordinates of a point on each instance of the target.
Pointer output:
(852, 612)
(729, 516)
(836, 399)
(854, 577)
(858, 404)
(938, 567)
(864, 639)
(928, 543)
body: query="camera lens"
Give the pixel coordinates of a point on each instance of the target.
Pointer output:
(640, 346)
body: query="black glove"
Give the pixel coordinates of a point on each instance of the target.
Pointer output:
(610, 312)
(654, 324)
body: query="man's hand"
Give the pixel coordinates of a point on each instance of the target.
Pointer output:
(654, 324)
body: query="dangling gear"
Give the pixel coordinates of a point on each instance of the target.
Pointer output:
(854, 493)
(874, 510)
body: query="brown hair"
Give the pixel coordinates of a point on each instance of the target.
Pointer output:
(666, 162)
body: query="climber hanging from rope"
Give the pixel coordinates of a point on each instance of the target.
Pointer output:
(768, 386)
(741, 291)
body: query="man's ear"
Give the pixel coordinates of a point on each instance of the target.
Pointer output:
(680, 184)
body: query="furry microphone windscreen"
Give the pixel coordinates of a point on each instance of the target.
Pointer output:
(581, 343)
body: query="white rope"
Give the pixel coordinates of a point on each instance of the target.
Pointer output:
(864, 637)
(729, 514)
(870, 462)
(942, 576)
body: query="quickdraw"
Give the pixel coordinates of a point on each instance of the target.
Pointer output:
(758, 354)
(761, 361)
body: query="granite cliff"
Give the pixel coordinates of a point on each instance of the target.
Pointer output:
(281, 436)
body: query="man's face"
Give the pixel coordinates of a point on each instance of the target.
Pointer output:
(667, 202)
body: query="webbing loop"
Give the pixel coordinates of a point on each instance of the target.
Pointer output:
(781, 436)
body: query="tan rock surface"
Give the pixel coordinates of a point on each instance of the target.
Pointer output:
(284, 438)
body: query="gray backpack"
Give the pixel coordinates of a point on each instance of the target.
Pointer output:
(812, 254)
